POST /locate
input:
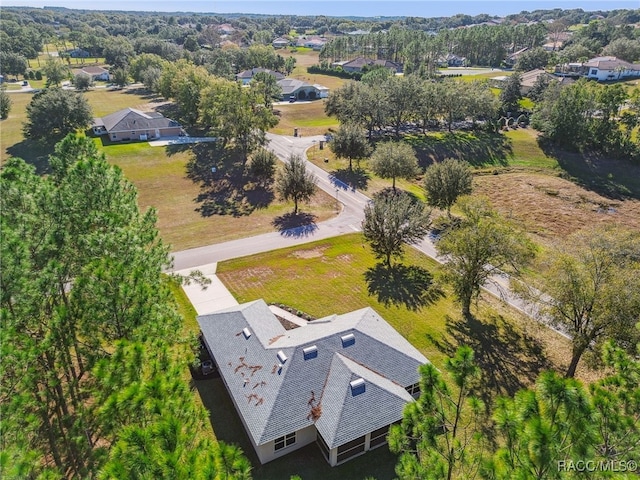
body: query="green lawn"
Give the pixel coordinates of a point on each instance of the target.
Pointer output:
(327, 277)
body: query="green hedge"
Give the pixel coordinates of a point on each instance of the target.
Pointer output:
(335, 72)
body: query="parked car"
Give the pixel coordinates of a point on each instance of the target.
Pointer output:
(292, 98)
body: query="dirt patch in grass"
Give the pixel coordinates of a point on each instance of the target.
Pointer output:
(313, 253)
(552, 207)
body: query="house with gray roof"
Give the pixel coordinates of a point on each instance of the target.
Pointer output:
(358, 65)
(339, 381)
(301, 90)
(132, 124)
(247, 75)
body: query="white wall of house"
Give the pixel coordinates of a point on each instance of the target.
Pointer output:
(603, 75)
(304, 437)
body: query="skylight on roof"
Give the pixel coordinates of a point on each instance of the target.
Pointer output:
(282, 357)
(348, 340)
(358, 386)
(246, 332)
(310, 352)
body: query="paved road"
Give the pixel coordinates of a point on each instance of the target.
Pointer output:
(348, 221)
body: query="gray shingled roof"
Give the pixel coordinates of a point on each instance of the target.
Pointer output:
(131, 119)
(277, 400)
(290, 85)
(251, 73)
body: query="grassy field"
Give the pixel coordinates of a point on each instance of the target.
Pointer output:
(185, 218)
(309, 118)
(184, 207)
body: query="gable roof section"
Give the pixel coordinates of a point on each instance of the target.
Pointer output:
(610, 63)
(290, 85)
(130, 119)
(342, 420)
(251, 73)
(276, 398)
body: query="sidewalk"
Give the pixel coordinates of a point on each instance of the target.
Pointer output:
(209, 298)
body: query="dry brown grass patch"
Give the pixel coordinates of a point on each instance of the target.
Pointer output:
(551, 207)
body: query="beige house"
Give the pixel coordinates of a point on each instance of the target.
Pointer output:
(132, 124)
(339, 381)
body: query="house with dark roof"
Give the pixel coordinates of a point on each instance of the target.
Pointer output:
(292, 87)
(246, 75)
(339, 381)
(357, 65)
(132, 124)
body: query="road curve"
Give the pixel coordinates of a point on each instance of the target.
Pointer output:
(348, 221)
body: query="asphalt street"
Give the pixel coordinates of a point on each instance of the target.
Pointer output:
(349, 220)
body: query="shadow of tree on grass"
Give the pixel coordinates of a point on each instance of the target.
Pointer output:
(35, 153)
(296, 225)
(509, 358)
(610, 178)
(479, 148)
(346, 179)
(411, 286)
(225, 188)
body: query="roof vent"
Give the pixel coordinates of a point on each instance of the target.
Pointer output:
(310, 352)
(246, 332)
(348, 340)
(282, 357)
(357, 386)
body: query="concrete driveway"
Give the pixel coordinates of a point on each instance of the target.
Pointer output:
(209, 298)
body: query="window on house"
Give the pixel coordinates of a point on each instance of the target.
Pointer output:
(378, 437)
(323, 446)
(414, 390)
(351, 449)
(283, 442)
(594, 71)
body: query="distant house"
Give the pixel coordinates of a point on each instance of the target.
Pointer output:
(280, 43)
(315, 43)
(451, 60)
(511, 60)
(132, 124)
(528, 79)
(246, 75)
(339, 381)
(357, 65)
(78, 53)
(610, 68)
(96, 73)
(301, 90)
(225, 29)
(601, 69)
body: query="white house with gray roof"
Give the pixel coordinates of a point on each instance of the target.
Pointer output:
(301, 90)
(339, 381)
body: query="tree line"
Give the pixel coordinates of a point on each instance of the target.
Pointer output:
(381, 100)
(93, 382)
(556, 429)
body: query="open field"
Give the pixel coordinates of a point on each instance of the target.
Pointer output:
(308, 117)
(185, 217)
